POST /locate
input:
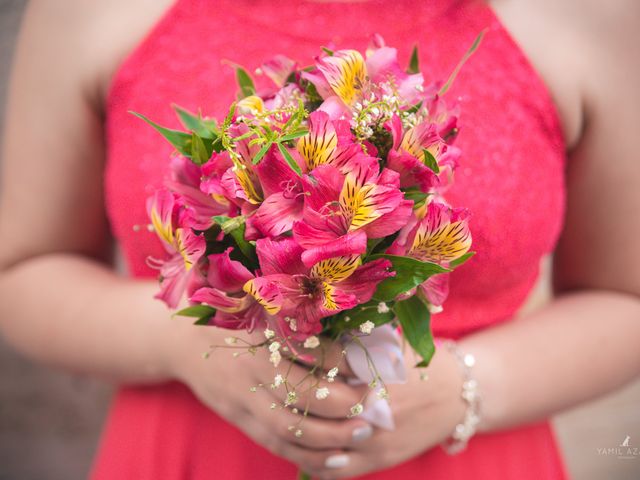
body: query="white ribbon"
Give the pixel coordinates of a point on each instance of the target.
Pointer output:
(384, 349)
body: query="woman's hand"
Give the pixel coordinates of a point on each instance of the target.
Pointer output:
(224, 383)
(425, 411)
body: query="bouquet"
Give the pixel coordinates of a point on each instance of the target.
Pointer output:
(315, 209)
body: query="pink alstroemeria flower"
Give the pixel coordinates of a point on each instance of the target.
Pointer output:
(283, 196)
(346, 78)
(341, 212)
(197, 195)
(308, 294)
(383, 68)
(407, 155)
(225, 291)
(180, 271)
(278, 69)
(240, 182)
(327, 143)
(440, 236)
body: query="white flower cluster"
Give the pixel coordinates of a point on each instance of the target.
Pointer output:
(367, 327)
(275, 356)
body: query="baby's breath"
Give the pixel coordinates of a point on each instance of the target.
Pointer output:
(383, 307)
(277, 381)
(357, 409)
(367, 327)
(275, 358)
(322, 393)
(382, 394)
(291, 398)
(311, 342)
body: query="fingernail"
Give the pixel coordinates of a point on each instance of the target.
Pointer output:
(337, 461)
(362, 433)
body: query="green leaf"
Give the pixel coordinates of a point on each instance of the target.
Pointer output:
(262, 152)
(415, 108)
(202, 321)
(229, 224)
(381, 245)
(414, 63)
(199, 153)
(415, 319)
(327, 51)
(293, 136)
(287, 156)
(430, 161)
(245, 82)
(302, 475)
(195, 123)
(235, 227)
(196, 311)
(417, 195)
(351, 319)
(459, 261)
(372, 243)
(465, 57)
(229, 118)
(410, 273)
(181, 141)
(203, 313)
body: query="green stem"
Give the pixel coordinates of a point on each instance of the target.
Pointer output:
(303, 475)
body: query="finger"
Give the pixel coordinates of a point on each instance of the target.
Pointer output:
(348, 464)
(320, 433)
(308, 460)
(328, 355)
(304, 391)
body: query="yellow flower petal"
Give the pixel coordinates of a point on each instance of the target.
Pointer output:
(336, 269)
(182, 249)
(268, 302)
(346, 73)
(448, 243)
(164, 231)
(318, 146)
(358, 203)
(248, 181)
(250, 105)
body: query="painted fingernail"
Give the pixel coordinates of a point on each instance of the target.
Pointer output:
(362, 433)
(337, 461)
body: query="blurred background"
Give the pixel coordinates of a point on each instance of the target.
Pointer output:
(50, 421)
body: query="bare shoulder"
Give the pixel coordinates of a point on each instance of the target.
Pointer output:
(66, 54)
(89, 38)
(602, 224)
(587, 51)
(578, 46)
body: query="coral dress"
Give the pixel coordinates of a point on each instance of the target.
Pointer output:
(511, 178)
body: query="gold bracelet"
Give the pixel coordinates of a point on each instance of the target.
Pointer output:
(466, 429)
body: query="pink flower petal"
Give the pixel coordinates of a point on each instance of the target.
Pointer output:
(353, 243)
(363, 282)
(275, 175)
(314, 230)
(280, 256)
(436, 288)
(220, 300)
(226, 274)
(278, 69)
(277, 214)
(390, 222)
